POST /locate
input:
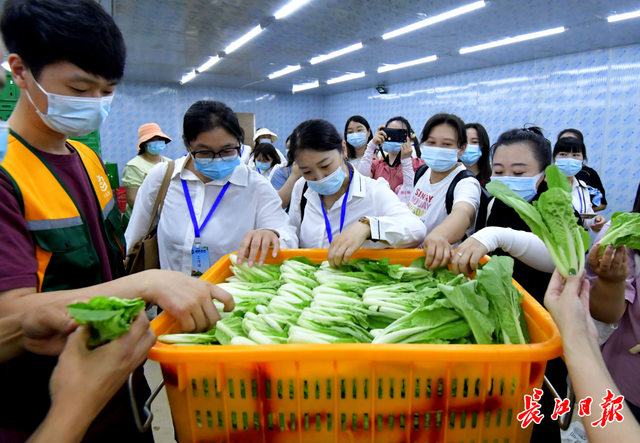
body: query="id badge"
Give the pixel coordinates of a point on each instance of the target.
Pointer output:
(199, 260)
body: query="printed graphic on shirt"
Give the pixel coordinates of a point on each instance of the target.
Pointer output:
(420, 203)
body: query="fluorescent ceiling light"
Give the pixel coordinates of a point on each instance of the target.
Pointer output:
(345, 78)
(321, 58)
(508, 41)
(209, 63)
(242, 40)
(289, 8)
(386, 68)
(5, 65)
(618, 17)
(190, 76)
(435, 19)
(305, 86)
(284, 71)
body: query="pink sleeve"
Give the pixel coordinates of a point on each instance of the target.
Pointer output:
(366, 164)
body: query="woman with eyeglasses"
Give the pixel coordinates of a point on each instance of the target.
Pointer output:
(215, 204)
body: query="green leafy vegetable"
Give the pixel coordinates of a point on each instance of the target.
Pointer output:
(254, 274)
(205, 338)
(473, 307)
(425, 325)
(107, 318)
(624, 230)
(229, 328)
(552, 218)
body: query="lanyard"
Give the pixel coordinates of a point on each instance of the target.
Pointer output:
(342, 212)
(187, 197)
(582, 205)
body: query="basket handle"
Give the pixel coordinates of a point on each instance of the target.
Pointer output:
(147, 405)
(565, 421)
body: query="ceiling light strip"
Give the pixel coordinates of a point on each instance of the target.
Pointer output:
(209, 63)
(345, 78)
(438, 18)
(187, 77)
(289, 8)
(334, 54)
(419, 61)
(284, 71)
(242, 40)
(305, 86)
(626, 16)
(510, 40)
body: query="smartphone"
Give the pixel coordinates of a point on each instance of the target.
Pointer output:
(588, 216)
(396, 135)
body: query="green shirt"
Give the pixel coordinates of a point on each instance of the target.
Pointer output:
(135, 172)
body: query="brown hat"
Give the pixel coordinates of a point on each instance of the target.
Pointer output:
(149, 130)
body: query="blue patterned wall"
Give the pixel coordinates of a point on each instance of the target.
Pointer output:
(137, 103)
(597, 92)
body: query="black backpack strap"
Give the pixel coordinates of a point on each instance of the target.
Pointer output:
(303, 202)
(452, 187)
(419, 173)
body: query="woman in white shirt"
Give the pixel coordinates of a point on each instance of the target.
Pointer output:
(265, 160)
(568, 155)
(444, 140)
(337, 208)
(357, 133)
(214, 203)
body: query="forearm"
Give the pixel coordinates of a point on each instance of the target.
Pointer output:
(367, 159)
(66, 423)
(408, 174)
(599, 208)
(131, 196)
(10, 337)
(453, 227)
(607, 300)
(286, 190)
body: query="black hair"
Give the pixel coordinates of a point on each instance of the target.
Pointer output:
(412, 136)
(570, 145)
(351, 150)
(45, 32)
(531, 136)
(267, 150)
(445, 119)
(484, 163)
(316, 135)
(636, 203)
(206, 115)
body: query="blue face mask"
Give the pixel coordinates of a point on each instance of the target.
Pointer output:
(357, 139)
(330, 184)
(392, 147)
(4, 139)
(262, 166)
(218, 168)
(156, 147)
(569, 166)
(471, 155)
(525, 187)
(439, 159)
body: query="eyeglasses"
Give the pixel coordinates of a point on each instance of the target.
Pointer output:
(206, 157)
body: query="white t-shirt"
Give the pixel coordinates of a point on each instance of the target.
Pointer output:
(428, 200)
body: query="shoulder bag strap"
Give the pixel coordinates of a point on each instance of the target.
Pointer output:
(162, 193)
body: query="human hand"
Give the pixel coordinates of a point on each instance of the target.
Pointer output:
(260, 239)
(380, 136)
(85, 380)
(568, 303)
(467, 258)
(346, 243)
(45, 330)
(406, 149)
(295, 171)
(610, 267)
(438, 251)
(188, 299)
(598, 222)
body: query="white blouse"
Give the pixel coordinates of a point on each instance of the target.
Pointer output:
(390, 219)
(250, 203)
(582, 201)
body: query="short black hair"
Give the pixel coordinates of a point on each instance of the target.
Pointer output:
(315, 135)
(484, 163)
(207, 115)
(267, 150)
(412, 135)
(351, 150)
(45, 32)
(577, 134)
(445, 119)
(533, 136)
(570, 145)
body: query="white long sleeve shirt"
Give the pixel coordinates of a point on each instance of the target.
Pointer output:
(250, 203)
(582, 201)
(391, 221)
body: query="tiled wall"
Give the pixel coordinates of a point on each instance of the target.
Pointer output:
(597, 92)
(139, 103)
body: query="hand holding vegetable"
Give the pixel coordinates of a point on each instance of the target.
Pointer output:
(598, 222)
(438, 251)
(346, 243)
(258, 240)
(612, 266)
(624, 230)
(468, 256)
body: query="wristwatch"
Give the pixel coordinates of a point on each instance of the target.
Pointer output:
(367, 222)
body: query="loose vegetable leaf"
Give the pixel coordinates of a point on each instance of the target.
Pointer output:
(206, 338)
(255, 274)
(624, 230)
(229, 328)
(425, 324)
(473, 307)
(107, 318)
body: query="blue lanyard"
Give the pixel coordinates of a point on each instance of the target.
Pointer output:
(342, 212)
(187, 197)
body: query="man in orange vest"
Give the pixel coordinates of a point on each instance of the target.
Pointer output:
(60, 233)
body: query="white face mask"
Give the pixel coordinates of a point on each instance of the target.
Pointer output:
(74, 116)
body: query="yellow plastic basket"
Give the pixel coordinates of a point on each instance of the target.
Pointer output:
(353, 392)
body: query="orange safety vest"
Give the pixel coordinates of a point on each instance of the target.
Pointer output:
(66, 256)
